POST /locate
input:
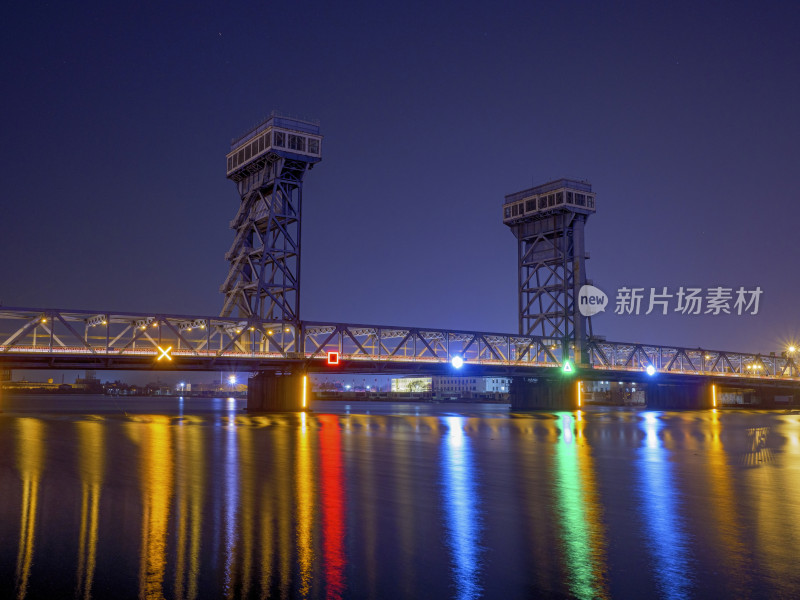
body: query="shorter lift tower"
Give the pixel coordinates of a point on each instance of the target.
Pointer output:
(267, 164)
(548, 222)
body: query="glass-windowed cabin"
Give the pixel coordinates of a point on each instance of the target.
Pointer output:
(287, 136)
(543, 199)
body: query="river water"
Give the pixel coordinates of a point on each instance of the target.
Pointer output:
(152, 498)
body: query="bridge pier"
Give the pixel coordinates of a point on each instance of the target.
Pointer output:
(531, 393)
(270, 391)
(690, 395)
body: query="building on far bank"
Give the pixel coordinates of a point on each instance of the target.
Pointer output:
(25, 385)
(439, 384)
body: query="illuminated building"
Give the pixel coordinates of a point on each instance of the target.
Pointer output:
(451, 385)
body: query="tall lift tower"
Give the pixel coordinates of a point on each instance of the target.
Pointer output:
(267, 164)
(548, 222)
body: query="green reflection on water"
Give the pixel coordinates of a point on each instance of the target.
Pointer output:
(574, 489)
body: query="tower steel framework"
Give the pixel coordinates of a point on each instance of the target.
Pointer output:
(268, 164)
(548, 222)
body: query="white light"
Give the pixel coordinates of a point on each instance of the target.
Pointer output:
(232, 379)
(651, 370)
(457, 362)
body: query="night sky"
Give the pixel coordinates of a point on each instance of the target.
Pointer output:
(685, 117)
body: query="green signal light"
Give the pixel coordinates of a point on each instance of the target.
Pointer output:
(567, 368)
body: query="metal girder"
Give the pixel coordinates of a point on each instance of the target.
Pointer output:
(31, 334)
(263, 279)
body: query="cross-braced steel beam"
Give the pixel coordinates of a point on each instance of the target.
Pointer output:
(548, 223)
(268, 165)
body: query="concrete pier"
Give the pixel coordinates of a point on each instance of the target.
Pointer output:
(558, 393)
(670, 396)
(271, 391)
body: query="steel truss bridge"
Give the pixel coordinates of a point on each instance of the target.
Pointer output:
(74, 339)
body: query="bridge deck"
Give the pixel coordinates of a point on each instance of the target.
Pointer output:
(53, 338)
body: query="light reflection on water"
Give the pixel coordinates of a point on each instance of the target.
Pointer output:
(404, 502)
(460, 513)
(581, 528)
(661, 513)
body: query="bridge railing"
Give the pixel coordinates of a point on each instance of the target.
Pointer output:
(696, 361)
(24, 330)
(417, 344)
(75, 333)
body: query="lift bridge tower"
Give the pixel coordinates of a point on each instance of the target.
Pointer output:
(548, 222)
(267, 164)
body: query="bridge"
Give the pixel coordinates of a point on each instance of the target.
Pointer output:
(259, 328)
(74, 339)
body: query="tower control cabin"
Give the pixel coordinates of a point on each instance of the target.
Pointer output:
(268, 164)
(548, 222)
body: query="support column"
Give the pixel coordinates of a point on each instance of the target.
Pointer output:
(530, 393)
(277, 392)
(669, 396)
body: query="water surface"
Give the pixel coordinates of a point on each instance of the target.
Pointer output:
(160, 498)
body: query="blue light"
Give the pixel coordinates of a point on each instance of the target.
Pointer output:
(457, 362)
(651, 370)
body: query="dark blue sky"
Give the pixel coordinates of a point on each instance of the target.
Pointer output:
(684, 116)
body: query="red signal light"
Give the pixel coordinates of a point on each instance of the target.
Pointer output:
(333, 358)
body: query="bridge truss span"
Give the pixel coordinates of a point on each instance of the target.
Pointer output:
(123, 340)
(79, 339)
(694, 361)
(420, 345)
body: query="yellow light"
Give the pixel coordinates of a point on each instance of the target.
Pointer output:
(304, 390)
(155, 324)
(287, 330)
(714, 395)
(238, 331)
(44, 320)
(252, 329)
(105, 322)
(269, 332)
(792, 348)
(164, 353)
(579, 394)
(202, 326)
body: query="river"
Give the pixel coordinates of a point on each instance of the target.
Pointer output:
(196, 498)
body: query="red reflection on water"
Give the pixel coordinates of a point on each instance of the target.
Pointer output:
(333, 500)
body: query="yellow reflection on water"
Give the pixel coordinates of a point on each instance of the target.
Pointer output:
(91, 444)
(361, 445)
(304, 486)
(406, 525)
(246, 545)
(191, 465)
(583, 536)
(772, 479)
(723, 511)
(30, 462)
(280, 505)
(156, 464)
